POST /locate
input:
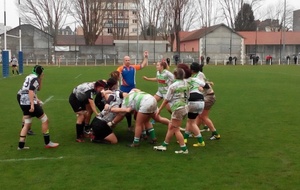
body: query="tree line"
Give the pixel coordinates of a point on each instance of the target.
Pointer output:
(165, 18)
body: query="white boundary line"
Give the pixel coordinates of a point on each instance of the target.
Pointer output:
(48, 99)
(31, 159)
(78, 76)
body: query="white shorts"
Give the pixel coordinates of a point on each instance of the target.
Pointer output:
(158, 93)
(148, 104)
(196, 106)
(180, 113)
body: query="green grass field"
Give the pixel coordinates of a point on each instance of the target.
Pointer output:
(257, 114)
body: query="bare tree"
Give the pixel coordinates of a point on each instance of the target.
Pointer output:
(47, 15)
(281, 13)
(230, 9)
(150, 14)
(208, 13)
(91, 14)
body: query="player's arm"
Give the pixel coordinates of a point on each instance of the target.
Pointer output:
(145, 60)
(93, 106)
(149, 79)
(31, 99)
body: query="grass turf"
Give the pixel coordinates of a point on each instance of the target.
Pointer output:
(256, 113)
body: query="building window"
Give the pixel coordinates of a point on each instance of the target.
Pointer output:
(134, 30)
(134, 21)
(109, 31)
(134, 12)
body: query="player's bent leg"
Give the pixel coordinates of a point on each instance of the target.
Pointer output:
(111, 138)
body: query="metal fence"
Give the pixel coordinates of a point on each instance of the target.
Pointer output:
(112, 62)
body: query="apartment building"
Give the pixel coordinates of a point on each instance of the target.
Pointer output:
(121, 19)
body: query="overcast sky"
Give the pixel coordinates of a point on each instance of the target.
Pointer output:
(12, 15)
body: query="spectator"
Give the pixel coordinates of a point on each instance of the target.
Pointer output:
(176, 58)
(230, 60)
(269, 59)
(295, 59)
(202, 60)
(168, 61)
(234, 59)
(207, 60)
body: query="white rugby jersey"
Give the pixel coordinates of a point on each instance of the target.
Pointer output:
(200, 76)
(31, 83)
(84, 91)
(194, 84)
(177, 94)
(107, 115)
(133, 100)
(164, 80)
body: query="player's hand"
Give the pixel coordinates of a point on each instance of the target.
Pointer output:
(144, 77)
(146, 54)
(31, 108)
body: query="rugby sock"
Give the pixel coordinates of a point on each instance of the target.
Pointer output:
(199, 138)
(46, 138)
(21, 145)
(13, 72)
(183, 147)
(215, 132)
(151, 133)
(136, 140)
(17, 72)
(165, 143)
(79, 130)
(186, 134)
(87, 127)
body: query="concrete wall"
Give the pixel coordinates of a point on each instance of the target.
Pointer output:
(221, 43)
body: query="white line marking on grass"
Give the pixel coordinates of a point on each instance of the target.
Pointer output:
(31, 159)
(48, 99)
(78, 76)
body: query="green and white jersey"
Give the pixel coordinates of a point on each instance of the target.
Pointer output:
(194, 84)
(164, 80)
(134, 99)
(200, 76)
(177, 94)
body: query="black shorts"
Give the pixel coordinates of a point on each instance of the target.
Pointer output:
(100, 129)
(14, 65)
(194, 97)
(76, 104)
(38, 110)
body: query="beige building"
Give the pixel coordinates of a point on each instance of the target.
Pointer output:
(121, 18)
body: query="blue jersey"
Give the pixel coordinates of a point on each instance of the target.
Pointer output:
(128, 77)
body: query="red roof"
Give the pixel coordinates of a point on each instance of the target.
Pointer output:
(270, 38)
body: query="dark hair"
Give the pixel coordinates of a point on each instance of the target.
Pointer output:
(111, 82)
(115, 75)
(186, 70)
(179, 73)
(38, 70)
(196, 67)
(100, 83)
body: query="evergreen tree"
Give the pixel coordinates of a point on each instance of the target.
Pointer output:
(244, 21)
